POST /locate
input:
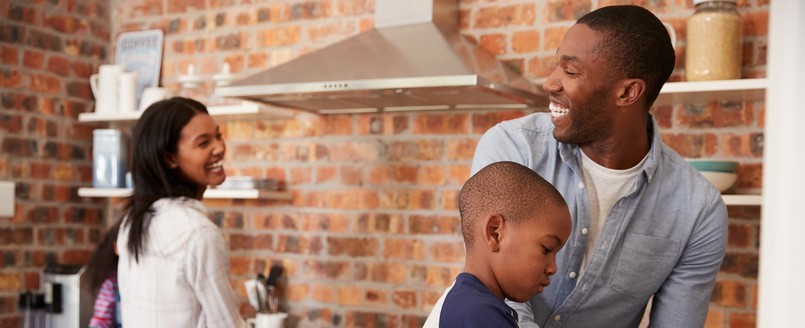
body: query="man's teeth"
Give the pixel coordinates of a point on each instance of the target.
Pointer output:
(557, 110)
(216, 165)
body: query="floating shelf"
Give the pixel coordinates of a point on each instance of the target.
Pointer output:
(230, 111)
(707, 91)
(743, 200)
(210, 193)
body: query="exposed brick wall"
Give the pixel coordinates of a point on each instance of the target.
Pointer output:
(372, 235)
(48, 50)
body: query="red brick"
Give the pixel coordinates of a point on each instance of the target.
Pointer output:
(447, 251)
(258, 60)
(351, 199)
(692, 145)
(76, 256)
(729, 294)
(356, 151)
(375, 297)
(379, 223)
(61, 23)
(297, 292)
(715, 318)
(349, 295)
(183, 6)
(554, 36)
(742, 320)
(566, 10)
(387, 272)
(750, 176)
(325, 174)
(441, 124)
(325, 270)
(34, 59)
(407, 249)
(10, 79)
(433, 175)
(746, 145)
(352, 246)
(424, 150)
(740, 235)
(9, 55)
(240, 265)
(63, 172)
(10, 282)
(300, 175)
(493, 43)
(525, 41)
(419, 224)
(280, 36)
(40, 170)
(755, 23)
(541, 67)
(490, 17)
(405, 299)
(11, 122)
(351, 175)
(310, 245)
(45, 83)
(327, 223)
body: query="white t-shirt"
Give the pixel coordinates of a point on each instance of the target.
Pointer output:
(605, 186)
(182, 277)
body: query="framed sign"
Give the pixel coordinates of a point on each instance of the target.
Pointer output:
(141, 52)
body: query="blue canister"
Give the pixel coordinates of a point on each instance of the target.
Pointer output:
(108, 159)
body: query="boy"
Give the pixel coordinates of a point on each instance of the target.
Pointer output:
(513, 223)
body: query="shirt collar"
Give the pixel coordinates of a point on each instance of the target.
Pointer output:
(571, 153)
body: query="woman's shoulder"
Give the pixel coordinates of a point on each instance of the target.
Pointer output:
(182, 214)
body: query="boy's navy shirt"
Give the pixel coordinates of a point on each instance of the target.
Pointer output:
(470, 304)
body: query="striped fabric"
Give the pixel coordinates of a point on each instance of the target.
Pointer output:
(103, 316)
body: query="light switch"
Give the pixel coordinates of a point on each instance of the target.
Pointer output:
(6, 199)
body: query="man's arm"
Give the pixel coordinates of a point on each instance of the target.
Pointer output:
(684, 297)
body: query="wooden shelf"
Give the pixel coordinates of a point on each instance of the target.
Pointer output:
(743, 200)
(244, 110)
(210, 193)
(707, 91)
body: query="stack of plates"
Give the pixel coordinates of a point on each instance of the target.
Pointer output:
(246, 182)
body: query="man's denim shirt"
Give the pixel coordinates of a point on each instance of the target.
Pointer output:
(666, 237)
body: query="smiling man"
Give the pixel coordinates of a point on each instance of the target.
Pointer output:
(645, 223)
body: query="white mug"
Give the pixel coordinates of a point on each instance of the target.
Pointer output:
(127, 95)
(152, 95)
(104, 87)
(267, 320)
(671, 33)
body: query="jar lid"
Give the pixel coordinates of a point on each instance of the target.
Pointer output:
(191, 79)
(696, 2)
(224, 78)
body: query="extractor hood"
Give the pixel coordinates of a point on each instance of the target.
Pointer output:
(415, 59)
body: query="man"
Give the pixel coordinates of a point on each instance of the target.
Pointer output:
(645, 223)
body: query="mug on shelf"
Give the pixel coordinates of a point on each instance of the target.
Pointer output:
(267, 320)
(152, 95)
(105, 88)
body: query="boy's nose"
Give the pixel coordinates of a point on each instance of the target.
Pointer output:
(550, 269)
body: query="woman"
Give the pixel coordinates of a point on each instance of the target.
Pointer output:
(174, 266)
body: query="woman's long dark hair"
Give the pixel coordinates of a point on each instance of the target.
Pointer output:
(155, 137)
(103, 260)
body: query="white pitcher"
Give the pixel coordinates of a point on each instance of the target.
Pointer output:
(106, 88)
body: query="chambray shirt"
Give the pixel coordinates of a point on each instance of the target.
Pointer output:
(666, 237)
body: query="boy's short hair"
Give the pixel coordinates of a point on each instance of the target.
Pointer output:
(510, 189)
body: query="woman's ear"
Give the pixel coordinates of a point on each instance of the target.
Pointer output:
(630, 91)
(493, 231)
(170, 160)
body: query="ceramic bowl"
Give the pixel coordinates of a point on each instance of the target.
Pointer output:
(722, 180)
(704, 165)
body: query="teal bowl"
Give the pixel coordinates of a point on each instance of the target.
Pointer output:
(704, 165)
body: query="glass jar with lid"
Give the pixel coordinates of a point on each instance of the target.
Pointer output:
(192, 86)
(713, 41)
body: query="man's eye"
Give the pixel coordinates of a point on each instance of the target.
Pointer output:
(571, 73)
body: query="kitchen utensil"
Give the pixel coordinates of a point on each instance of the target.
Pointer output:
(253, 294)
(267, 320)
(152, 95)
(105, 86)
(127, 92)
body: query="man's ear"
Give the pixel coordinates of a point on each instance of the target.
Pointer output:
(493, 231)
(630, 91)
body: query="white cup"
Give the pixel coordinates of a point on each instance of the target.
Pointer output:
(127, 96)
(152, 95)
(267, 320)
(671, 33)
(105, 86)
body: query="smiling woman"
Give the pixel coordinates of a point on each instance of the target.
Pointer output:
(174, 266)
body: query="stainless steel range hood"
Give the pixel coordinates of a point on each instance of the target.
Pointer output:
(414, 59)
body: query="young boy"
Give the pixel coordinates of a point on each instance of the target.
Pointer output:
(513, 223)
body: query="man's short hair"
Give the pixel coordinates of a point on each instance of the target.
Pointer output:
(510, 189)
(636, 43)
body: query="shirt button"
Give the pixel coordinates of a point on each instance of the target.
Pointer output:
(584, 231)
(572, 275)
(557, 317)
(581, 185)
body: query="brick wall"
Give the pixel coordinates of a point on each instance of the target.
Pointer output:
(48, 50)
(371, 237)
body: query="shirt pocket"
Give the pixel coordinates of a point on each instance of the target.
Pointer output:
(644, 264)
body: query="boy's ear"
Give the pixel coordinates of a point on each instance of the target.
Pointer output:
(493, 231)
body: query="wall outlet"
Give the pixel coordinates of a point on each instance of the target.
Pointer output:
(6, 199)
